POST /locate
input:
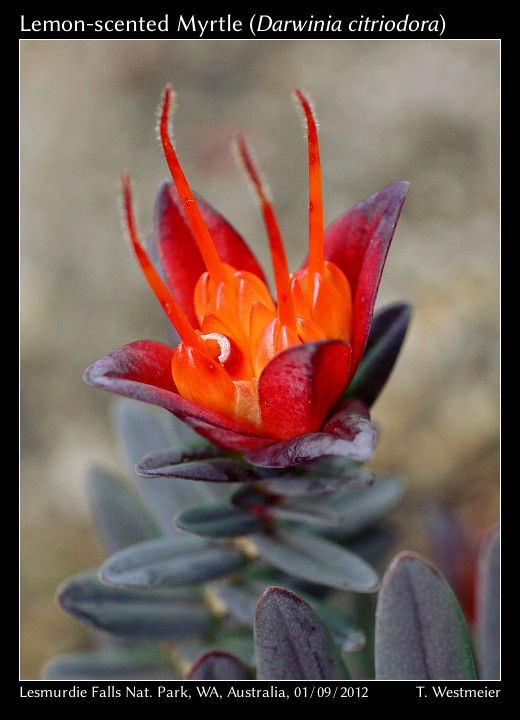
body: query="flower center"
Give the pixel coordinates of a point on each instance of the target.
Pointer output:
(241, 329)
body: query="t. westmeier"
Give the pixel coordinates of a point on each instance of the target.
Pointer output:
(447, 691)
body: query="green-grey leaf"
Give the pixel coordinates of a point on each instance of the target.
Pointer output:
(338, 474)
(316, 559)
(133, 613)
(119, 518)
(359, 508)
(178, 432)
(170, 562)
(421, 633)
(141, 432)
(305, 512)
(165, 497)
(217, 520)
(346, 633)
(138, 429)
(240, 599)
(137, 664)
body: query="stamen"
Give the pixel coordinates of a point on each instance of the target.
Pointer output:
(198, 226)
(316, 256)
(282, 281)
(161, 292)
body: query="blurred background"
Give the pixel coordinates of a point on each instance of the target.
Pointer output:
(423, 111)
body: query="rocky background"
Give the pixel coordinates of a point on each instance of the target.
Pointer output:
(424, 111)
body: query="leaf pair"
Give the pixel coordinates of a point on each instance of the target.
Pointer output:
(420, 629)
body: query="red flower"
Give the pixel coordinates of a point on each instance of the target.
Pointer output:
(251, 375)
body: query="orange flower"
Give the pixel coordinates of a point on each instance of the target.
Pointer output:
(249, 372)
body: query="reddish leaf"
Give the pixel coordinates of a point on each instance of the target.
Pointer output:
(141, 370)
(349, 434)
(420, 629)
(179, 255)
(291, 642)
(298, 387)
(194, 464)
(358, 242)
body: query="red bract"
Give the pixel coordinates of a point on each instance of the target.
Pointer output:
(251, 374)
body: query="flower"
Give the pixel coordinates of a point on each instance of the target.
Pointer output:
(264, 378)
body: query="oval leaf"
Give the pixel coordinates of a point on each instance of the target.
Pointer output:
(316, 481)
(177, 432)
(154, 614)
(217, 665)
(291, 642)
(420, 629)
(119, 518)
(313, 558)
(165, 497)
(217, 521)
(196, 463)
(293, 510)
(170, 562)
(138, 429)
(141, 433)
(109, 665)
(357, 509)
(346, 434)
(241, 599)
(386, 337)
(488, 607)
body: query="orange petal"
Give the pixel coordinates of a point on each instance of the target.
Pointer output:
(343, 286)
(228, 352)
(201, 296)
(219, 300)
(299, 290)
(327, 307)
(247, 409)
(250, 289)
(309, 331)
(260, 317)
(326, 301)
(203, 380)
(275, 338)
